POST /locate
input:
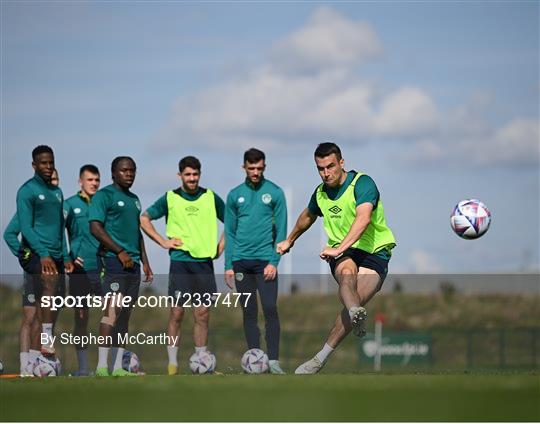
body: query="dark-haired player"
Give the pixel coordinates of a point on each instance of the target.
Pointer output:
(43, 254)
(359, 243)
(29, 336)
(85, 279)
(255, 217)
(191, 212)
(114, 221)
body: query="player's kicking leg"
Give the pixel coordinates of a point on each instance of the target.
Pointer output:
(368, 283)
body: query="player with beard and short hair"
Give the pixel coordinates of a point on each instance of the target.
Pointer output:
(191, 213)
(255, 217)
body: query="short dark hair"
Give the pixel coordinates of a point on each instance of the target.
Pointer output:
(41, 149)
(119, 159)
(189, 162)
(93, 169)
(253, 155)
(327, 149)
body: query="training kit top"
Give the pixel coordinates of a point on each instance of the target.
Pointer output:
(40, 216)
(163, 208)
(81, 241)
(118, 211)
(255, 219)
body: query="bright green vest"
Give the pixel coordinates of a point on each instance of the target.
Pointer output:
(194, 222)
(339, 215)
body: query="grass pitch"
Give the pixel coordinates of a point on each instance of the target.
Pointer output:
(325, 397)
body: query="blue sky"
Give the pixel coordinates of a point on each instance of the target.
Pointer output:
(436, 101)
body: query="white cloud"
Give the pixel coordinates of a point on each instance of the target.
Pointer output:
(271, 107)
(327, 40)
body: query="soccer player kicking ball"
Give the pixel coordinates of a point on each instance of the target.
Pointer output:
(359, 243)
(114, 221)
(85, 279)
(192, 230)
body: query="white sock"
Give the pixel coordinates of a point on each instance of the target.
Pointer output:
(33, 355)
(47, 329)
(172, 352)
(353, 310)
(199, 349)
(103, 356)
(118, 360)
(326, 351)
(273, 361)
(24, 360)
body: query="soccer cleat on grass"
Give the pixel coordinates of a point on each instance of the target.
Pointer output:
(313, 366)
(102, 372)
(172, 369)
(121, 372)
(275, 368)
(358, 322)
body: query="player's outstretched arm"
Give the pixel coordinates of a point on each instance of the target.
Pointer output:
(304, 221)
(150, 231)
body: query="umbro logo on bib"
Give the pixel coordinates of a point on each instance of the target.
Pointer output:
(335, 209)
(192, 209)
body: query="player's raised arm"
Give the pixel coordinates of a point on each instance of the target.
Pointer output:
(150, 231)
(304, 221)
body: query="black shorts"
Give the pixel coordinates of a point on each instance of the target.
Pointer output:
(365, 260)
(83, 283)
(33, 284)
(116, 279)
(191, 277)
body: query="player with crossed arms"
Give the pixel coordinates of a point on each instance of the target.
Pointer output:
(359, 243)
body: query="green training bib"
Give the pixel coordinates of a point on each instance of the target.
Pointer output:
(194, 222)
(339, 215)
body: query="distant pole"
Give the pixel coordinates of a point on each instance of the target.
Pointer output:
(379, 320)
(323, 265)
(287, 259)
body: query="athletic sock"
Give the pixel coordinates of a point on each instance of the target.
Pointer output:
(114, 352)
(323, 355)
(103, 356)
(353, 310)
(33, 355)
(24, 361)
(172, 352)
(82, 358)
(47, 329)
(199, 349)
(118, 360)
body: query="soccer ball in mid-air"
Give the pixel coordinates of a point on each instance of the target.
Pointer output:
(255, 361)
(470, 219)
(131, 362)
(1, 368)
(47, 367)
(202, 362)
